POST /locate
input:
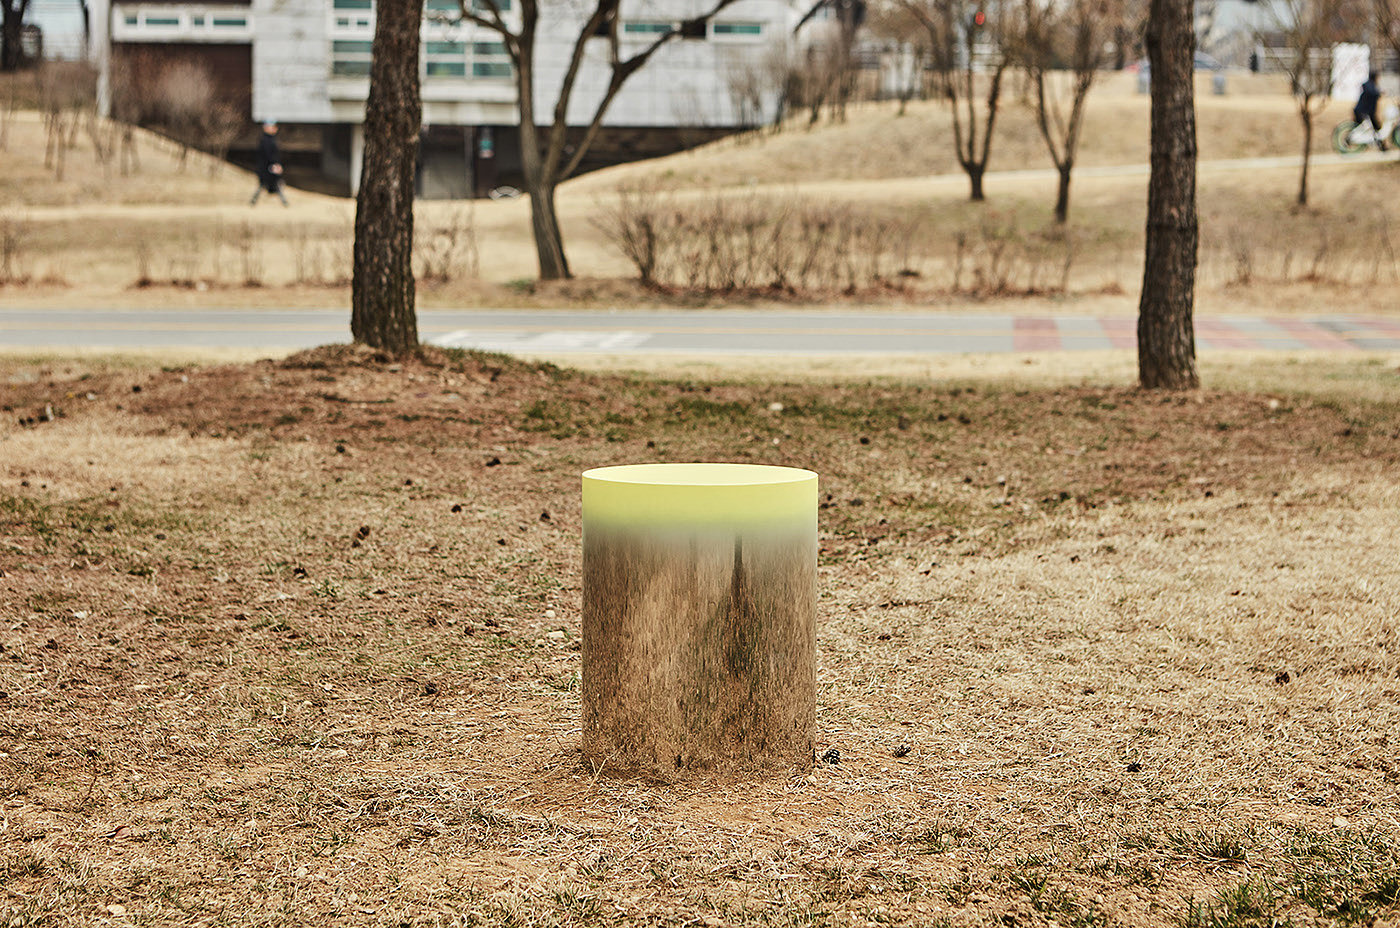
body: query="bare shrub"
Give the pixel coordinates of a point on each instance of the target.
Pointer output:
(186, 102)
(185, 91)
(447, 249)
(321, 259)
(142, 256)
(250, 256)
(634, 225)
(724, 244)
(13, 241)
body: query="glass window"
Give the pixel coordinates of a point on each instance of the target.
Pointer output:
(230, 22)
(162, 20)
(489, 49)
(131, 19)
(350, 68)
(491, 69)
(351, 57)
(197, 20)
(737, 28)
(443, 6)
(479, 6)
(647, 28)
(353, 4)
(444, 48)
(447, 69)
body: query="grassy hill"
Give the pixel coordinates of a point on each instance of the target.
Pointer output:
(177, 230)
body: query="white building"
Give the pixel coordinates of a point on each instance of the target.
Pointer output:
(305, 64)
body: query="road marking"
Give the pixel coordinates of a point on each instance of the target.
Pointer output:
(552, 340)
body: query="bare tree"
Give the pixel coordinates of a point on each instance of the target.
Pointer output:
(906, 58)
(1166, 333)
(183, 99)
(383, 311)
(831, 64)
(1307, 30)
(1076, 34)
(132, 79)
(748, 84)
(184, 92)
(546, 158)
(957, 32)
(66, 90)
(817, 77)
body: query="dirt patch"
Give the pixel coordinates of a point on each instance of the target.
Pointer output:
(277, 648)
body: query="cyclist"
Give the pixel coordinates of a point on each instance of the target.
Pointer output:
(1367, 105)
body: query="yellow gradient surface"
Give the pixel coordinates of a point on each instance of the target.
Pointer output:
(680, 495)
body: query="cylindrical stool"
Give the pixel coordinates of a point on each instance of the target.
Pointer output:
(699, 617)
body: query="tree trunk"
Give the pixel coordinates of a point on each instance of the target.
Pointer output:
(11, 53)
(975, 172)
(1062, 197)
(1306, 112)
(383, 313)
(699, 608)
(1166, 336)
(539, 186)
(549, 241)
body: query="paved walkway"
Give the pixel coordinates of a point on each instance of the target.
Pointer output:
(731, 332)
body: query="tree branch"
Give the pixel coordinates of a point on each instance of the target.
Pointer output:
(621, 71)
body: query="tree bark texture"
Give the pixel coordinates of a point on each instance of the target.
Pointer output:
(1062, 194)
(974, 177)
(699, 641)
(383, 313)
(549, 239)
(1306, 111)
(1166, 333)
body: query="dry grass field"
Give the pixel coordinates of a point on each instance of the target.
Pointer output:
(295, 643)
(186, 238)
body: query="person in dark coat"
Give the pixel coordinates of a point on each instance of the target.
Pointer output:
(269, 165)
(1366, 107)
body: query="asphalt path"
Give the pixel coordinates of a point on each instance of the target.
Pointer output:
(690, 332)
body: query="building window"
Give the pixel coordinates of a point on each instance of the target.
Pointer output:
(445, 59)
(230, 22)
(647, 28)
(197, 20)
(131, 19)
(490, 59)
(479, 6)
(350, 58)
(737, 28)
(354, 4)
(162, 20)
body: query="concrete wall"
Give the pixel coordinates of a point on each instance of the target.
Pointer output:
(291, 67)
(688, 82)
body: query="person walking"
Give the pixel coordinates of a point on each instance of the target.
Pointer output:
(1366, 106)
(269, 165)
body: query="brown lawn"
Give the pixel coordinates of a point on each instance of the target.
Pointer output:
(275, 649)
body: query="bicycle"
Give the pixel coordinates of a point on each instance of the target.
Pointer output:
(1350, 137)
